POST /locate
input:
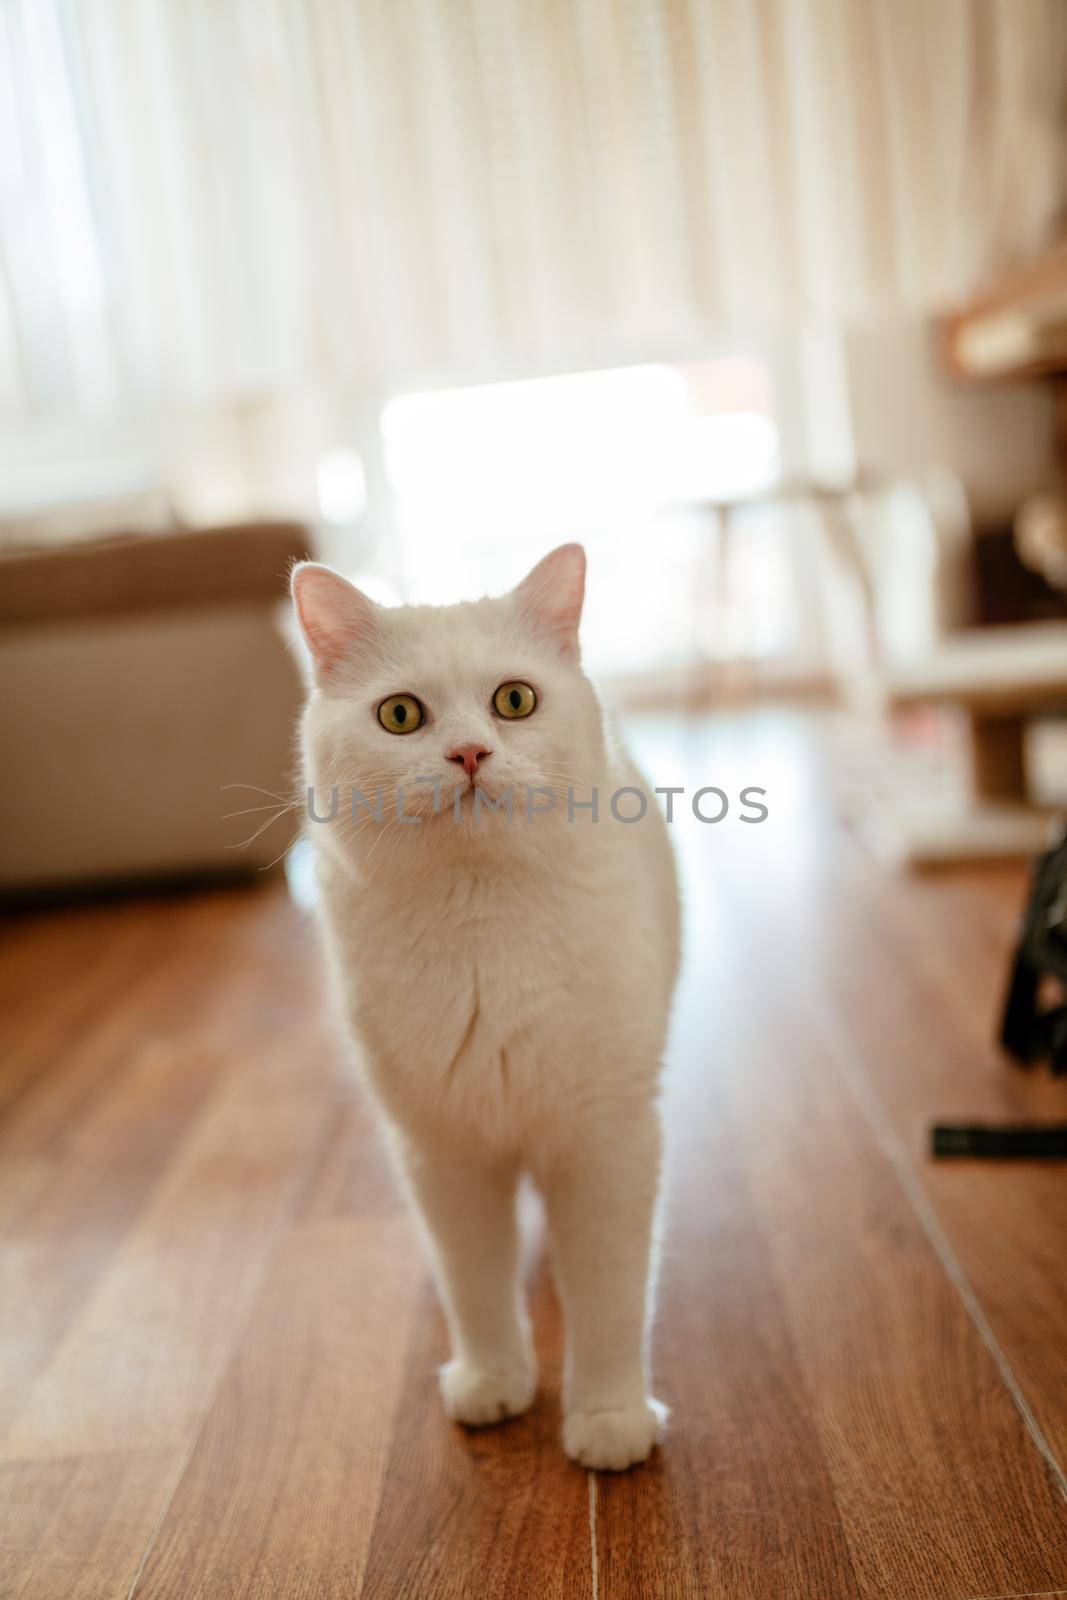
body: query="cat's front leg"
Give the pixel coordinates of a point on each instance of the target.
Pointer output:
(601, 1201)
(468, 1208)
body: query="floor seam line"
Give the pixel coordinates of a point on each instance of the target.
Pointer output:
(1022, 1594)
(594, 1564)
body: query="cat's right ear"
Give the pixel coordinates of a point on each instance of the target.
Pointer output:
(337, 620)
(550, 597)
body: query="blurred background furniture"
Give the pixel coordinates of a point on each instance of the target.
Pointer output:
(915, 562)
(999, 680)
(139, 676)
(1000, 661)
(453, 291)
(1016, 328)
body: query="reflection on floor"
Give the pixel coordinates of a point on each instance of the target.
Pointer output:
(218, 1338)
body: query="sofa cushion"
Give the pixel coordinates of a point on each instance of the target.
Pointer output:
(151, 571)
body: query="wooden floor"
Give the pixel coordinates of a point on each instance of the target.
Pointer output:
(218, 1344)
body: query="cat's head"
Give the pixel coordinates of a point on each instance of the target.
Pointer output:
(437, 702)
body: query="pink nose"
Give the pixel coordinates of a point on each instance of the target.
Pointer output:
(468, 756)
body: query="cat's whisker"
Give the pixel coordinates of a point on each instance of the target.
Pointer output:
(282, 853)
(249, 810)
(257, 789)
(385, 857)
(261, 829)
(375, 847)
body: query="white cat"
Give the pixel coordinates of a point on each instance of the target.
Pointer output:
(507, 980)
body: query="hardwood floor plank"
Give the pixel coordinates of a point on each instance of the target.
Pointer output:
(738, 1500)
(73, 1528)
(1008, 1229)
(85, 1143)
(939, 1486)
(62, 975)
(928, 1036)
(65, 1216)
(178, 972)
(843, 1430)
(218, 1344)
(494, 1513)
(281, 1492)
(200, 1113)
(137, 1363)
(1006, 1224)
(355, 1178)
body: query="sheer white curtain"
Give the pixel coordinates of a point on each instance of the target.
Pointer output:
(203, 200)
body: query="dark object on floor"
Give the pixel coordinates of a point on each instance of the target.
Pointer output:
(1024, 1142)
(1032, 1029)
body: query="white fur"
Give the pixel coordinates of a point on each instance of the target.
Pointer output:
(507, 983)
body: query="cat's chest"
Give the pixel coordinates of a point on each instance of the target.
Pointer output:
(465, 955)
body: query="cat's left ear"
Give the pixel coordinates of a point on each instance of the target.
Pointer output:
(337, 620)
(550, 598)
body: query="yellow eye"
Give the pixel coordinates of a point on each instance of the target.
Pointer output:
(514, 700)
(401, 713)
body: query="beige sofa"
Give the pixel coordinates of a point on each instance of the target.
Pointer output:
(140, 677)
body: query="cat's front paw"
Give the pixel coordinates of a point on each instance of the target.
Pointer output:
(611, 1441)
(479, 1397)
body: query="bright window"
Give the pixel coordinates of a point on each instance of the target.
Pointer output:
(486, 479)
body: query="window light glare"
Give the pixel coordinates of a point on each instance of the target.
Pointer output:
(342, 486)
(377, 589)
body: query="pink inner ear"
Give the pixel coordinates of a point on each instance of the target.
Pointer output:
(551, 596)
(336, 619)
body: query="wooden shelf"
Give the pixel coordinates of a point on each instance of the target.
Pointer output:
(1017, 328)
